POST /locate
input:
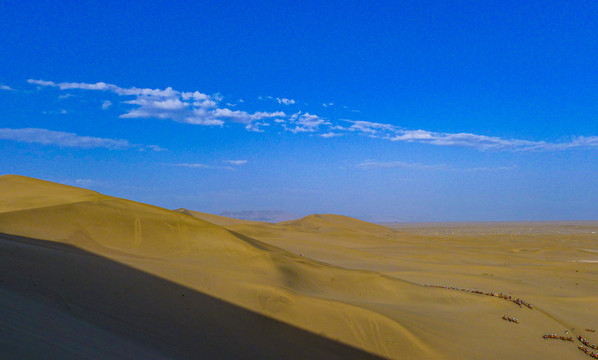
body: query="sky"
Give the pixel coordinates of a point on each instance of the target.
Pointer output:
(385, 111)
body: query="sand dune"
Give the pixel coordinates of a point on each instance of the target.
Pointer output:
(337, 279)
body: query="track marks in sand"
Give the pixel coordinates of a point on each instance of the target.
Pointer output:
(137, 235)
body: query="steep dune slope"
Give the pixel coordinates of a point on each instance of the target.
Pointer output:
(87, 219)
(60, 302)
(211, 259)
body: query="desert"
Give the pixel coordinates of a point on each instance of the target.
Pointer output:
(298, 180)
(86, 275)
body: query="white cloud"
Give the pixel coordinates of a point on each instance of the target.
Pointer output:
(371, 164)
(202, 109)
(154, 148)
(490, 169)
(67, 139)
(236, 162)
(256, 126)
(305, 122)
(330, 135)
(106, 105)
(60, 138)
(327, 104)
(6, 87)
(479, 142)
(285, 101)
(203, 166)
(51, 112)
(41, 82)
(186, 107)
(195, 166)
(245, 117)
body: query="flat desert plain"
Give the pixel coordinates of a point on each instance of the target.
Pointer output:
(89, 276)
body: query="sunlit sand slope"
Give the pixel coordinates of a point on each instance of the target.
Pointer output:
(61, 302)
(551, 265)
(215, 261)
(343, 279)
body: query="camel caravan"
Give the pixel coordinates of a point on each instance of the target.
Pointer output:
(517, 301)
(590, 330)
(587, 343)
(557, 337)
(510, 319)
(588, 352)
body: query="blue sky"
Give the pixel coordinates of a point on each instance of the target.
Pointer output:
(406, 111)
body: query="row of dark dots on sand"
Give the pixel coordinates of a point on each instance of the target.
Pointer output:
(557, 337)
(510, 319)
(590, 330)
(587, 343)
(588, 352)
(517, 301)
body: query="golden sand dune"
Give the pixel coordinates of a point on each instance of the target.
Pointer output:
(169, 278)
(331, 223)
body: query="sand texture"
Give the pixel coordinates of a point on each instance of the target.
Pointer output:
(85, 275)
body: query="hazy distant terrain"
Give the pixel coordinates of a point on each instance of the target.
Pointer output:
(259, 215)
(84, 275)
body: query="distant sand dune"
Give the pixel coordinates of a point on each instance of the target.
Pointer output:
(180, 279)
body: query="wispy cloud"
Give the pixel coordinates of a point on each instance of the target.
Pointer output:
(52, 112)
(371, 164)
(236, 162)
(203, 166)
(6, 87)
(330, 135)
(285, 101)
(305, 123)
(231, 165)
(490, 169)
(60, 138)
(202, 109)
(153, 148)
(106, 105)
(195, 166)
(480, 142)
(186, 107)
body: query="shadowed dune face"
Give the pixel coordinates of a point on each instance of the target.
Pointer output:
(218, 262)
(344, 279)
(134, 314)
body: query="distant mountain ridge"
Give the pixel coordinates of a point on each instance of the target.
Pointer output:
(272, 216)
